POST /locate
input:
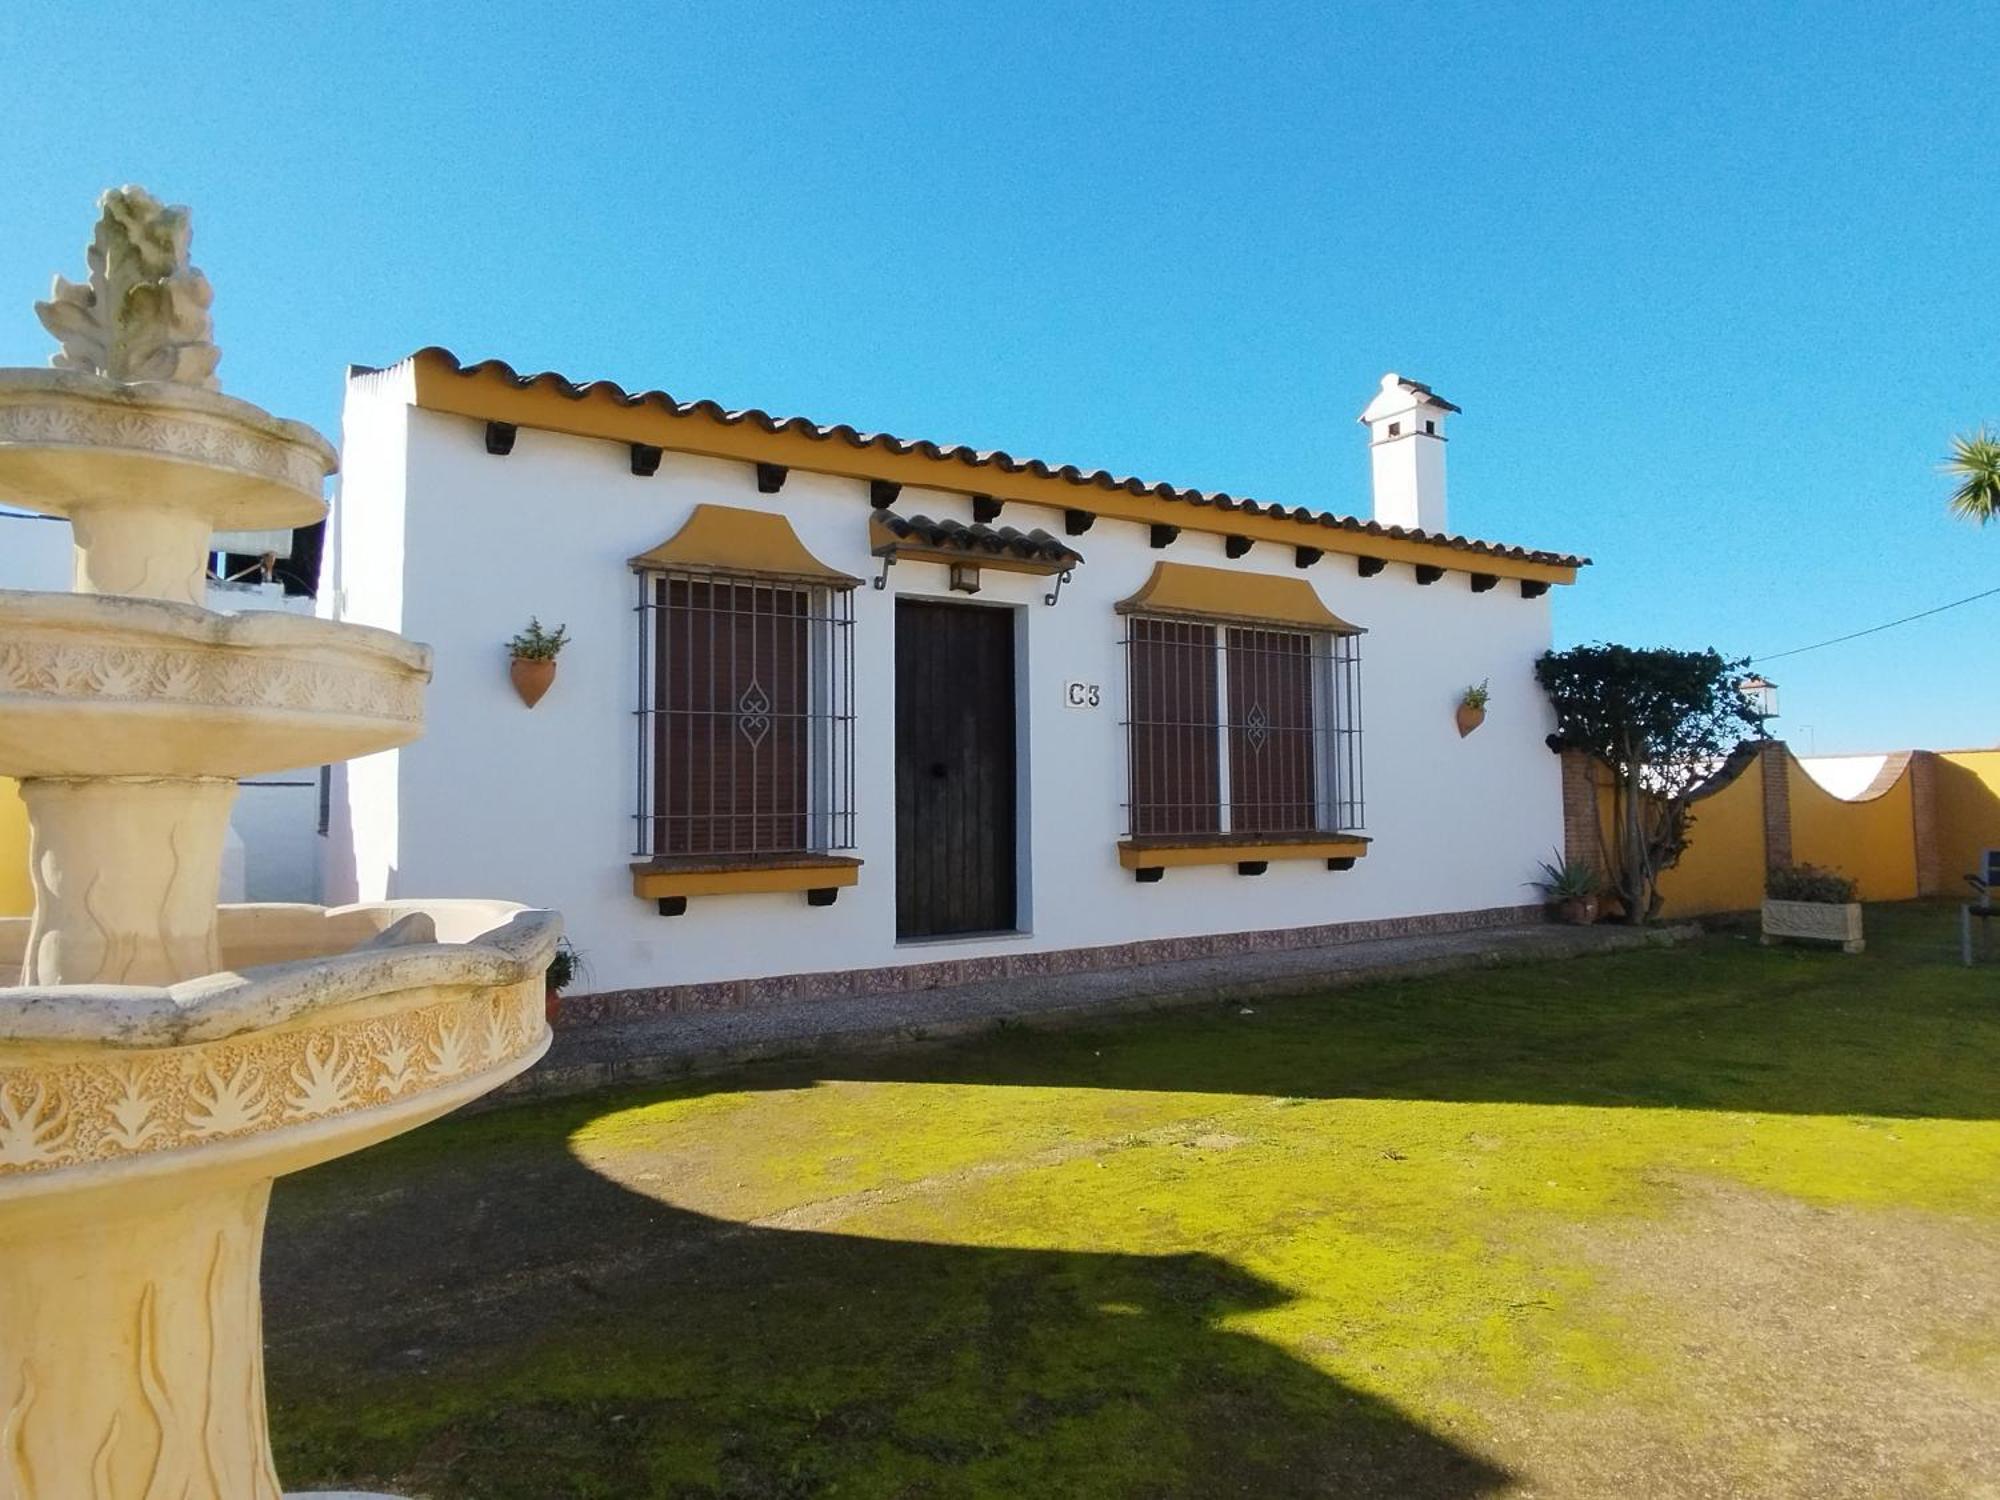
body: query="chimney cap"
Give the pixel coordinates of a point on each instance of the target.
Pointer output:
(1407, 394)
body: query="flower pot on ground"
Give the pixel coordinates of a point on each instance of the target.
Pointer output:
(1571, 887)
(1472, 709)
(562, 972)
(1812, 904)
(532, 659)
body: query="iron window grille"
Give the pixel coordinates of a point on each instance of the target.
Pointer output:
(1241, 729)
(746, 717)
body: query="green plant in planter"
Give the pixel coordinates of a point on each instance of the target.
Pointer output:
(1565, 879)
(565, 968)
(1475, 697)
(537, 644)
(1811, 883)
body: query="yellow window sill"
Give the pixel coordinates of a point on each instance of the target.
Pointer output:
(746, 875)
(1171, 853)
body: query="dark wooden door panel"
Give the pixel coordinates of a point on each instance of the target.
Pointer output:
(954, 769)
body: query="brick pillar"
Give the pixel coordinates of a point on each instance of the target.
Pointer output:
(1924, 822)
(1583, 833)
(1775, 762)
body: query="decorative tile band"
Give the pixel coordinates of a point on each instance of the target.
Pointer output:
(840, 984)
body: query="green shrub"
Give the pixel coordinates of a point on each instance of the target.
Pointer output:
(1809, 883)
(565, 967)
(537, 644)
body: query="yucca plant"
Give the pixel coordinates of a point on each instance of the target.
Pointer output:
(1975, 464)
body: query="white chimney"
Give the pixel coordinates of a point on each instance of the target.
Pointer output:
(1405, 425)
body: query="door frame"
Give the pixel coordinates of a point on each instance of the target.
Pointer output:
(1023, 822)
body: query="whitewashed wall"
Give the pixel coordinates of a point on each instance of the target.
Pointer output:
(35, 552)
(537, 806)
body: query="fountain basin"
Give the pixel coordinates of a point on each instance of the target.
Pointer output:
(140, 1130)
(99, 685)
(72, 439)
(147, 471)
(358, 1014)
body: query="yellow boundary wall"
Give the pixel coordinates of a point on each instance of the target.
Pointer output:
(1722, 868)
(1873, 839)
(1914, 833)
(1967, 813)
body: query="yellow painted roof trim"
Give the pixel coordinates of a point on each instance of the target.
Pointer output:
(1188, 590)
(724, 539)
(593, 412)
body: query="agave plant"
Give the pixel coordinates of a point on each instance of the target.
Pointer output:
(1975, 464)
(1566, 879)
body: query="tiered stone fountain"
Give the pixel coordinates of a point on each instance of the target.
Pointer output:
(163, 1059)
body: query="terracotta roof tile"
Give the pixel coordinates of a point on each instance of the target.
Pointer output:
(992, 458)
(980, 539)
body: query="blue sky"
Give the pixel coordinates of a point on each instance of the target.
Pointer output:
(1714, 284)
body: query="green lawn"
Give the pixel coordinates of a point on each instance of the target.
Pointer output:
(1714, 1220)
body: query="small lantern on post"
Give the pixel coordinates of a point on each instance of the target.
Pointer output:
(1761, 695)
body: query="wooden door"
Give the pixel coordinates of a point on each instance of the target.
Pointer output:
(955, 835)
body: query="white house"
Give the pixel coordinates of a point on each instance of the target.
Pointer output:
(845, 712)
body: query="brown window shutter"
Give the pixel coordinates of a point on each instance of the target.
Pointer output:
(1175, 768)
(733, 732)
(1272, 737)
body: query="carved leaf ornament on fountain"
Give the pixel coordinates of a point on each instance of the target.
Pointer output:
(143, 314)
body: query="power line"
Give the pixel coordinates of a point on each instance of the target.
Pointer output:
(1874, 629)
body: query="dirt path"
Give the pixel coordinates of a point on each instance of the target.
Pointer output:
(1818, 1354)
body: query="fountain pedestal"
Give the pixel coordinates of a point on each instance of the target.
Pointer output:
(163, 1059)
(125, 871)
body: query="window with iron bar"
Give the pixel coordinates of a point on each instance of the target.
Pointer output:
(1241, 729)
(746, 718)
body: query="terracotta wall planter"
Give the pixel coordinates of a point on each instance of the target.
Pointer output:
(1469, 719)
(531, 677)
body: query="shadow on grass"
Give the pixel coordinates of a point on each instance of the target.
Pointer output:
(474, 1313)
(526, 1329)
